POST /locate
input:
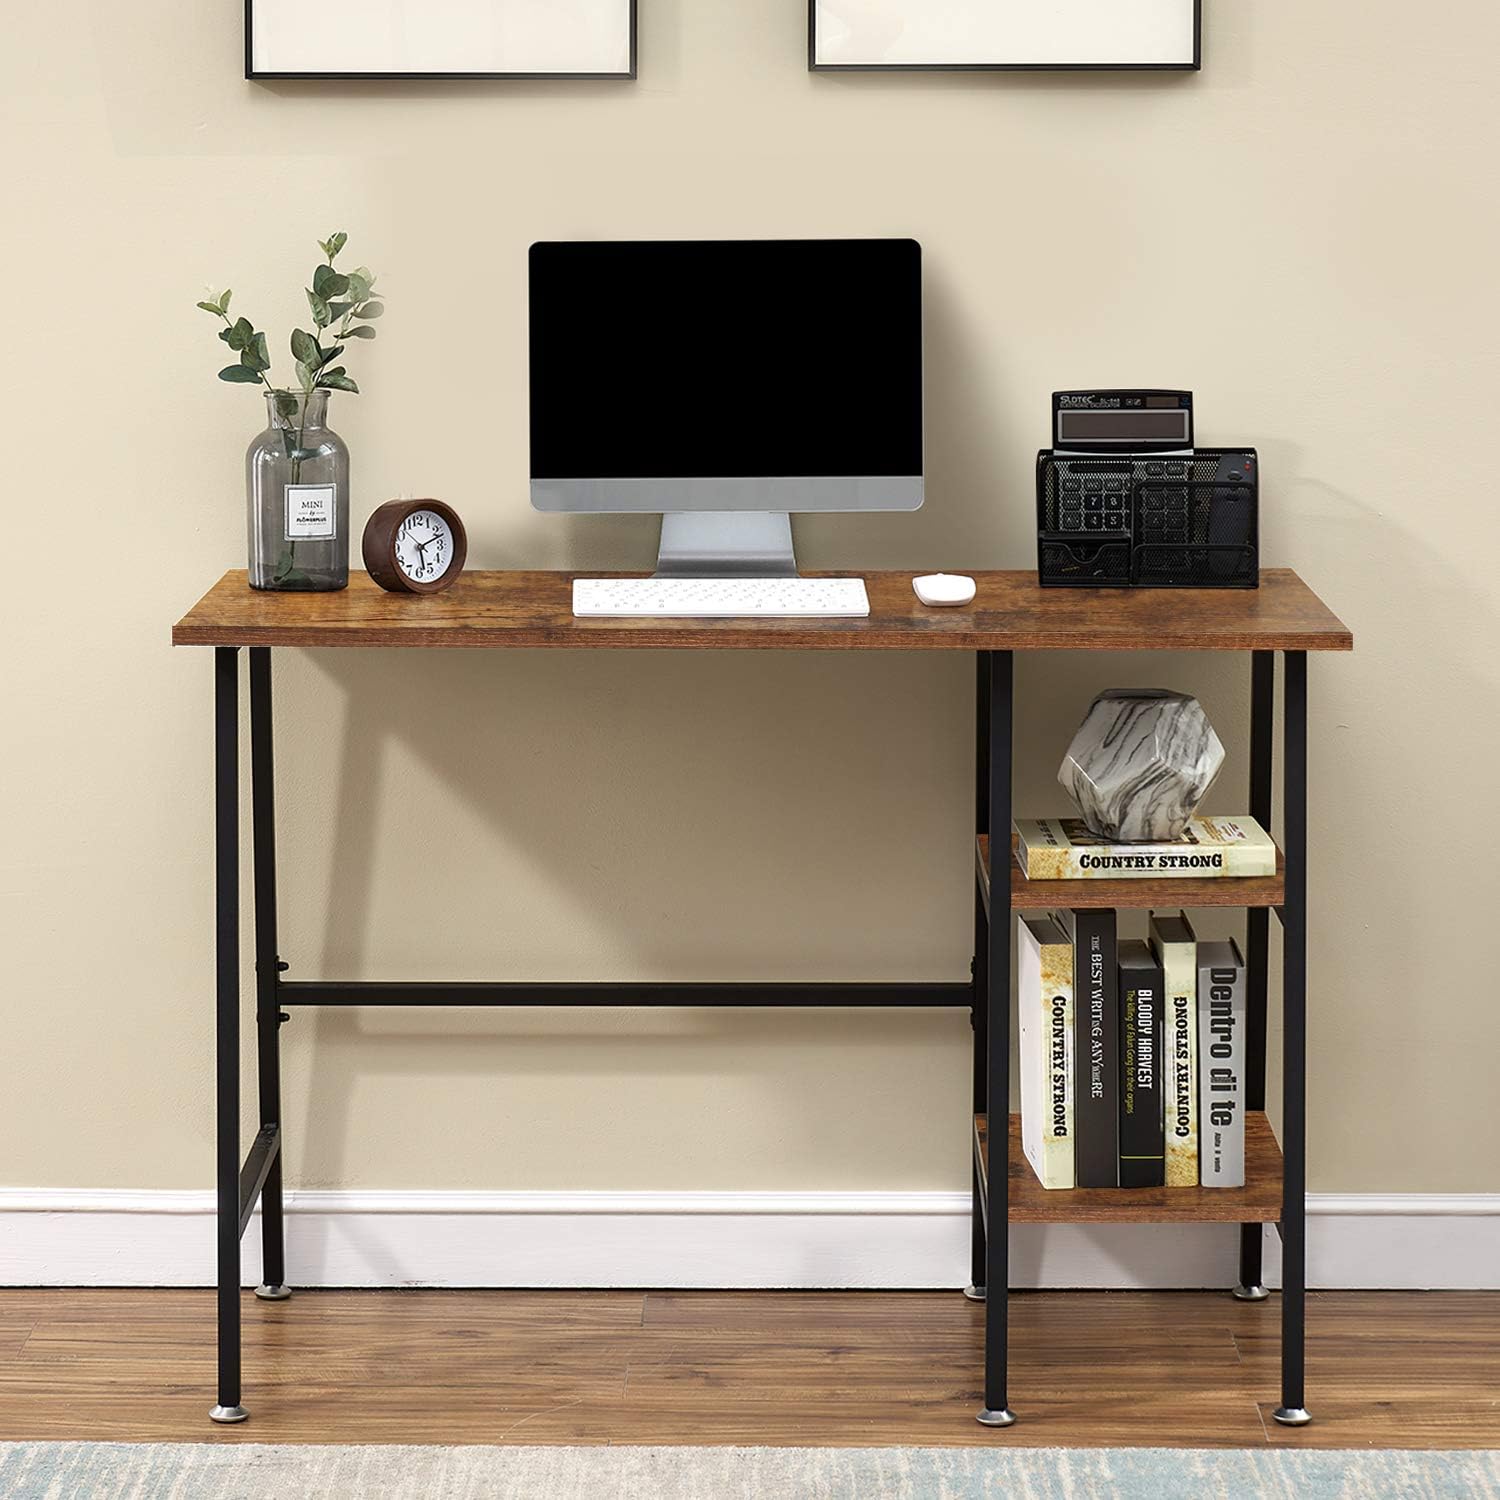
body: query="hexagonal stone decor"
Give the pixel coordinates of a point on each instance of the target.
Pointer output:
(1140, 764)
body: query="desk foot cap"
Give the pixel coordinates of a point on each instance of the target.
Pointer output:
(974, 1293)
(1292, 1416)
(273, 1293)
(1256, 1293)
(227, 1414)
(1005, 1417)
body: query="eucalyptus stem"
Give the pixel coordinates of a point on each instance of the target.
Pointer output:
(330, 287)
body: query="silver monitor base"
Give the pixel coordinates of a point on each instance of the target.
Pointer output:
(726, 544)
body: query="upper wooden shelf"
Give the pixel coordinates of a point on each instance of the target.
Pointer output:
(1010, 612)
(1258, 1202)
(1162, 891)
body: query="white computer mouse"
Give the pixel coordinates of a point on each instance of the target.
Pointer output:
(943, 588)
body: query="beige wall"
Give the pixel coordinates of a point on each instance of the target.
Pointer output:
(1304, 233)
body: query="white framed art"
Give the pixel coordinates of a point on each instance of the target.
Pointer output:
(440, 39)
(984, 34)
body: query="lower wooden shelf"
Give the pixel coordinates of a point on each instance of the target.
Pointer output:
(1258, 1202)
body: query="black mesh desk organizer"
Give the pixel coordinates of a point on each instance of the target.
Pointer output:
(1148, 520)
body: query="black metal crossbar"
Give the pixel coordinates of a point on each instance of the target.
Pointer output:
(377, 992)
(263, 1153)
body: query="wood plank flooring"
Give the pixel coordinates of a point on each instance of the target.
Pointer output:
(1389, 1369)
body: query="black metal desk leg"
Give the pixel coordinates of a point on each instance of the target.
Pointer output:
(979, 1019)
(268, 1012)
(979, 1010)
(1293, 1410)
(996, 1412)
(1251, 1288)
(227, 1024)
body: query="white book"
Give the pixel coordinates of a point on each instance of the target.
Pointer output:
(1221, 1044)
(1064, 849)
(1176, 947)
(1045, 1004)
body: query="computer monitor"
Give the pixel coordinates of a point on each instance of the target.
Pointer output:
(726, 383)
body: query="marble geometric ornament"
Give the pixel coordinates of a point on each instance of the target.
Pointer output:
(1140, 764)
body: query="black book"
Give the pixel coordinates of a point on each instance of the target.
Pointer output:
(1142, 1135)
(1096, 1048)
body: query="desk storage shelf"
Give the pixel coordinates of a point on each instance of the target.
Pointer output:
(1141, 895)
(1010, 613)
(1258, 1202)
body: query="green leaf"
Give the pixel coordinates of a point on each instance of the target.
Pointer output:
(286, 406)
(238, 334)
(224, 300)
(359, 286)
(210, 307)
(319, 309)
(304, 376)
(328, 283)
(255, 354)
(327, 356)
(360, 333)
(304, 346)
(371, 310)
(240, 375)
(333, 244)
(336, 310)
(338, 382)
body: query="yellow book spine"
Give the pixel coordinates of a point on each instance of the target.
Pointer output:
(1180, 981)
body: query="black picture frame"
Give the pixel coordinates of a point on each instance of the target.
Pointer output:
(254, 75)
(1195, 65)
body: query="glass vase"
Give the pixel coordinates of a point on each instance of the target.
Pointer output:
(297, 483)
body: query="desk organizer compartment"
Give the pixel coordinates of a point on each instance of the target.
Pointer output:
(1092, 563)
(1148, 520)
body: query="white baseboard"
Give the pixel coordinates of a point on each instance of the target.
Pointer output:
(108, 1237)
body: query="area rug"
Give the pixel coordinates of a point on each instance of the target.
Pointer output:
(252, 1471)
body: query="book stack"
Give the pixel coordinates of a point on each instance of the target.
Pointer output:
(1133, 1048)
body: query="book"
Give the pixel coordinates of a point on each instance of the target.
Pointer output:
(1176, 947)
(1044, 992)
(1064, 849)
(1142, 1144)
(1221, 1047)
(1096, 1046)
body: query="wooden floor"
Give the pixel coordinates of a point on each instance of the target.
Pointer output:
(1397, 1369)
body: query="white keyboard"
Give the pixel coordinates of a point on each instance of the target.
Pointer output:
(713, 598)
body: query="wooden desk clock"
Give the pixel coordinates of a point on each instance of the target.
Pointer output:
(415, 546)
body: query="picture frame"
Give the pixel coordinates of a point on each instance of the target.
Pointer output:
(440, 39)
(851, 36)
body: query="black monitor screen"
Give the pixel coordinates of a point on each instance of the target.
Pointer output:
(691, 359)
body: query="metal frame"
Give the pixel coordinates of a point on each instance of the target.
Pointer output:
(814, 66)
(992, 1006)
(252, 75)
(259, 1178)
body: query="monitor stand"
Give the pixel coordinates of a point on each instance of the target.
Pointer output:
(726, 544)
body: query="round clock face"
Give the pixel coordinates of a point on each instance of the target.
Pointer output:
(424, 546)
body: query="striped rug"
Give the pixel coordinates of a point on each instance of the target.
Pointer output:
(250, 1471)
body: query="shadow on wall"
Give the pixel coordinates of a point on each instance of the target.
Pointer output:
(672, 816)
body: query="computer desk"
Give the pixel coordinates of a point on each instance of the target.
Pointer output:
(1009, 613)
